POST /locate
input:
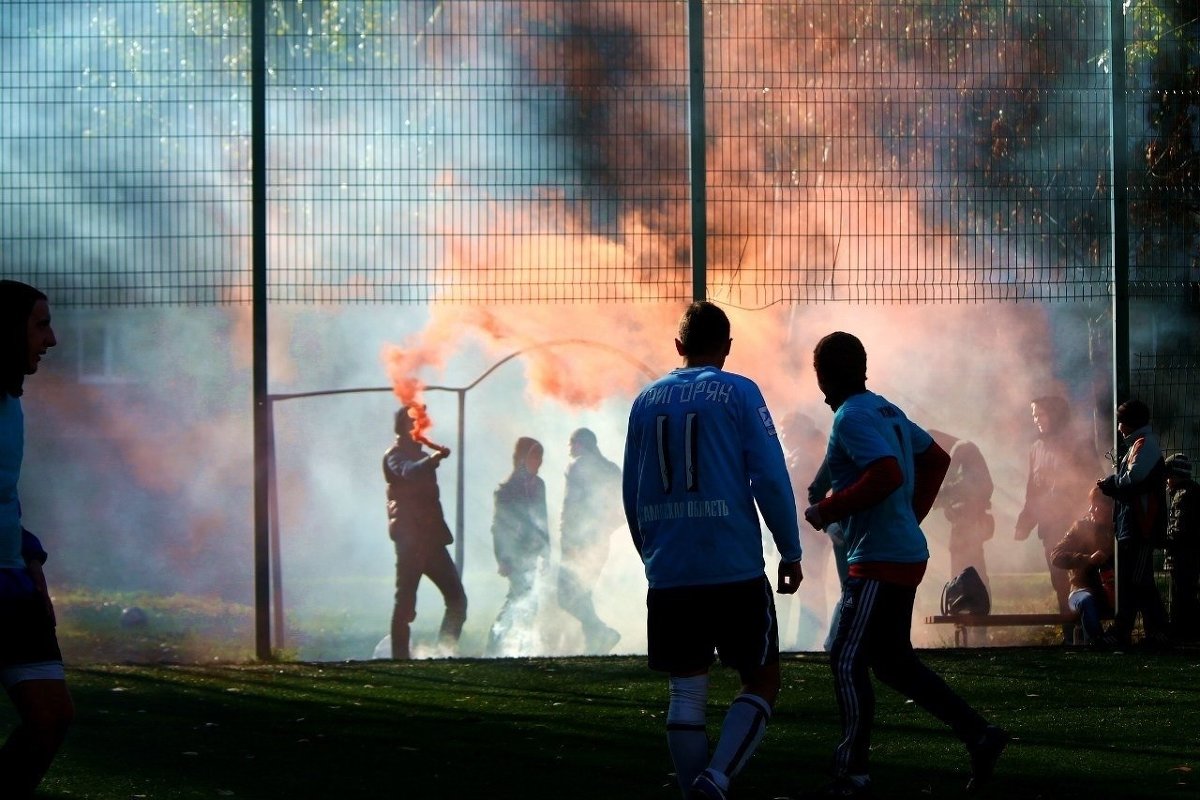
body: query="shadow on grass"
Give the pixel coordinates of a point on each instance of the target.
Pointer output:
(1087, 725)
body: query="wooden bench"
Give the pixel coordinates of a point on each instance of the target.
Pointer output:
(964, 622)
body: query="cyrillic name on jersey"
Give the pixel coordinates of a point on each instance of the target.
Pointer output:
(713, 391)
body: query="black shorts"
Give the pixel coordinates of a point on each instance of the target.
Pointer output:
(26, 632)
(686, 624)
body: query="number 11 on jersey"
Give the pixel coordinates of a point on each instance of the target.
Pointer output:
(691, 439)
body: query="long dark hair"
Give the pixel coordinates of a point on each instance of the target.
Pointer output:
(16, 304)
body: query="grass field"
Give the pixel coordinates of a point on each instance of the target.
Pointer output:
(1087, 725)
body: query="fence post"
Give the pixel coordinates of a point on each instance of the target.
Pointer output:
(262, 407)
(696, 140)
(1119, 211)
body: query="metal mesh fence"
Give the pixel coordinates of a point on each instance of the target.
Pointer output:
(123, 151)
(1169, 384)
(481, 152)
(1163, 116)
(910, 151)
(506, 151)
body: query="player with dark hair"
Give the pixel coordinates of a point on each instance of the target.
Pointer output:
(701, 451)
(418, 529)
(31, 666)
(885, 471)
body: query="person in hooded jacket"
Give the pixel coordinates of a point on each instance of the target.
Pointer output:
(1138, 488)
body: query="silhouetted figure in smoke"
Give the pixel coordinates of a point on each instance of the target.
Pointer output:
(31, 667)
(418, 529)
(1062, 469)
(591, 512)
(1183, 548)
(804, 451)
(521, 536)
(1139, 489)
(966, 501)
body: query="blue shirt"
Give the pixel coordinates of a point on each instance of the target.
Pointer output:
(12, 447)
(700, 451)
(867, 428)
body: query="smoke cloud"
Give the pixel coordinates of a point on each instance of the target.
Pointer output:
(139, 473)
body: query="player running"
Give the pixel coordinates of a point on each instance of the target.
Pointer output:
(701, 449)
(886, 471)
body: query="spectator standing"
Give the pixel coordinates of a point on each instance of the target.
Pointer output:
(1139, 490)
(591, 512)
(419, 532)
(1062, 468)
(521, 538)
(1183, 548)
(966, 501)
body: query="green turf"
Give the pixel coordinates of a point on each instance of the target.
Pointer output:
(1088, 725)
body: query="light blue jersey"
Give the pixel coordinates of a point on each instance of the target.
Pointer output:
(867, 428)
(12, 446)
(701, 449)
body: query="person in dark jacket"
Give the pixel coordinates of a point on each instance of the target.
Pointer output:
(591, 512)
(1139, 490)
(521, 535)
(418, 528)
(1086, 552)
(1183, 548)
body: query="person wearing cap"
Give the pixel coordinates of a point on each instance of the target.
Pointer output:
(1183, 548)
(417, 527)
(1138, 488)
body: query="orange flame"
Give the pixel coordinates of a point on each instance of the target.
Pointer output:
(403, 365)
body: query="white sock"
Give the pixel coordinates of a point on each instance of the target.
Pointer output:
(743, 728)
(686, 737)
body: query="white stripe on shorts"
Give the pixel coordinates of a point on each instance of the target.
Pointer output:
(36, 671)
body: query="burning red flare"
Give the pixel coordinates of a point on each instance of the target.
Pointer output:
(421, 423)
(402, 364)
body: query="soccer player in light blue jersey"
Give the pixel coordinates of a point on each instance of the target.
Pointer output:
(885, 472)
(701, 451)
(31, 665)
